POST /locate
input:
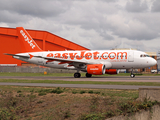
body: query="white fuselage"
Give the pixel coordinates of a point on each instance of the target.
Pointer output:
(112, 59)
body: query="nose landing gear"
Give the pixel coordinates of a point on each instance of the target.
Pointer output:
(132, 75)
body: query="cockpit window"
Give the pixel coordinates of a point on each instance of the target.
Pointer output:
(144, 55)
(147, 56)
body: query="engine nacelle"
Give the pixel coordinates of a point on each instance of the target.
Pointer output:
(111, 71)
(96, 69)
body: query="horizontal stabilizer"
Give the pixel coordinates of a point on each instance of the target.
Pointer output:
(17, 55)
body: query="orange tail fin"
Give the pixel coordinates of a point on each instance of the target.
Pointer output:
(26, 41)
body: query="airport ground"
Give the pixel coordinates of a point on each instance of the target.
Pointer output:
(70, 103)
(120, 81)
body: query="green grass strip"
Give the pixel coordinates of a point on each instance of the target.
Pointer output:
(80, 82)
(68, 74)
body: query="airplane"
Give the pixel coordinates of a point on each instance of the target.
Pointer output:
(93, 62)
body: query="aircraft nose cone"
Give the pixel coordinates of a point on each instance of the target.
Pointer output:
(154, 62)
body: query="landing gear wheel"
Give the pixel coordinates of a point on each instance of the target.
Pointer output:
(132, 75)
(88, 75)
(77, 75)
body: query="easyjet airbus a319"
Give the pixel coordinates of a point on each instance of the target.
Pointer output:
(92, 62)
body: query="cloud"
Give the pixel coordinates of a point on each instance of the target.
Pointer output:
(98, 24)
(136, 6)
(156, 6)
(36, 8)
(12, 17)
(135, 30)
(3, 24)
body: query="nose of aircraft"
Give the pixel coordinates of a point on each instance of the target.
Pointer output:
(153, 62)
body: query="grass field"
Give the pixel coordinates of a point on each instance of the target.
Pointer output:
(40, 103)
(80, 82)
(34, 103)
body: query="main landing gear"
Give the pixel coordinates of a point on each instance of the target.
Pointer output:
(88, 75)
(132, 75)
(77, 75)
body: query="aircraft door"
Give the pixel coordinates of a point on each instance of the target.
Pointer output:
(130, 56)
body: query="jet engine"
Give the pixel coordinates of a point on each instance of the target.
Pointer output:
(96, 69)
(111, 71)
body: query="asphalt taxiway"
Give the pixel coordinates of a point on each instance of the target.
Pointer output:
(94, 78)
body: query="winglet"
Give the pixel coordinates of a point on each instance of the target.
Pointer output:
(26, 41)
(31, 56)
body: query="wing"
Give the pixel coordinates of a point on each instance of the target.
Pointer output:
(61, 60)
(76, 63)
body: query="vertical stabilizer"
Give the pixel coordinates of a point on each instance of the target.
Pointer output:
(26, 41)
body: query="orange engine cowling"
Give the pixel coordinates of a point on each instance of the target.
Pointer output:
(96, 69)
(111, 71)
